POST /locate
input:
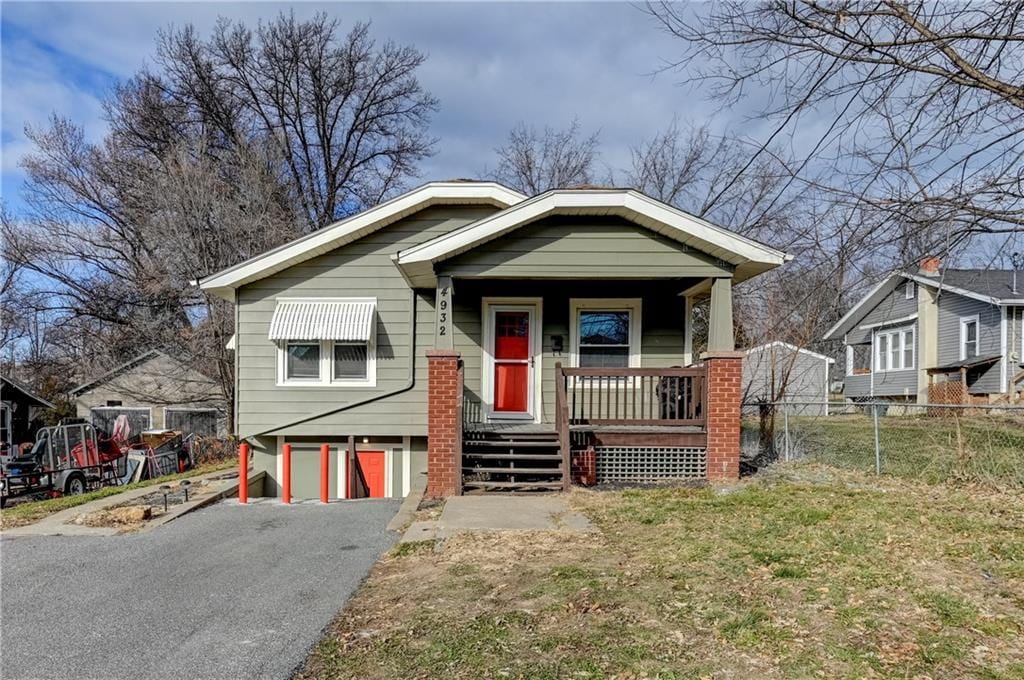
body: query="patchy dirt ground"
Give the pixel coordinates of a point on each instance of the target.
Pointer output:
(800, 572)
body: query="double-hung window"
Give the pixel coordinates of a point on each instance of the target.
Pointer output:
(968, 337)
(325, 341)
(605, 333)
(895, 349)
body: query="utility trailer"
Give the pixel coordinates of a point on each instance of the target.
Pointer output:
(69, 459)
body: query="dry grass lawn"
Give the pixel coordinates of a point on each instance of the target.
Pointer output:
(805, 572)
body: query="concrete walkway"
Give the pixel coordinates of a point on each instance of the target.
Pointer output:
(224, 592)
(500, 513)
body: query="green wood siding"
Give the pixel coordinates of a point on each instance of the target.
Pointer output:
(360, 269)
(583, 247)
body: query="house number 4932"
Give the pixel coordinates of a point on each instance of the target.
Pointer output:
(442, 310)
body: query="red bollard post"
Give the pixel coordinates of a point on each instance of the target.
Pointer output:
(243, 473)
(325, 452)
(286, 474)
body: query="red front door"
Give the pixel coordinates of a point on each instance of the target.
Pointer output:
(511, 361)
(370, 473)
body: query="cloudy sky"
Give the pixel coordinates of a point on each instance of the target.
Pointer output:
(491, 66)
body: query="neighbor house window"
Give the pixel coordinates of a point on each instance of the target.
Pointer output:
(605, 333)
(910, 290)
(968, 337)
(113, 402)
(894, 349)
(858, 359)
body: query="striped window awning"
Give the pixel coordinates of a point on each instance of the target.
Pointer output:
(350, 320)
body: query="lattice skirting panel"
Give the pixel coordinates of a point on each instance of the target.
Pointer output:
(650, 463)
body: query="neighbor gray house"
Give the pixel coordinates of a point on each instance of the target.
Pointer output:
(957, 334)
(466, 336)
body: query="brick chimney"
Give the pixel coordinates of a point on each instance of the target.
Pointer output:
(930, 266)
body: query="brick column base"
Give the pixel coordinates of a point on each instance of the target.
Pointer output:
(584, 467)
(444, 435)
(725, 373)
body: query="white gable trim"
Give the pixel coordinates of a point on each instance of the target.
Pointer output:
(842, 327)
(794, 348)
(352, 228)
(889, 322)
(627, 203)
(936, 282)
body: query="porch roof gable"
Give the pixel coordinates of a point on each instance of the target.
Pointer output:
(747, 256)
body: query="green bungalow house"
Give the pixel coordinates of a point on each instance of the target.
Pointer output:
(470, 338)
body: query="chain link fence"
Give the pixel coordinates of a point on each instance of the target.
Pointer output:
(933, 443)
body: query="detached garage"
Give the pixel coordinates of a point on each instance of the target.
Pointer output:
(778, 371)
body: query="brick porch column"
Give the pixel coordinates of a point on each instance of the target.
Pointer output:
(444, 436)
(725, 371)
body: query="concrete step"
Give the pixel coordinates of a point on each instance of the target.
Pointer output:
(516, 471)
(512, 456)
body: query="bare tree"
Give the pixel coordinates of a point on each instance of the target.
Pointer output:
(533, 162)
(232, 146)
(703, 173)
(114, 237)
(348, 117)
(910, 110)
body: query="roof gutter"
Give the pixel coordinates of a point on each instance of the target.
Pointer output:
(409, 383)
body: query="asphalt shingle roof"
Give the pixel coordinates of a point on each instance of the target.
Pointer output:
(997, 283)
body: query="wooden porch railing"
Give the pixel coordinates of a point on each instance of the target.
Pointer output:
(623, 397)
(632, 396)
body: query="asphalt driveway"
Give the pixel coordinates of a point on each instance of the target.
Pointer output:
(225, 592)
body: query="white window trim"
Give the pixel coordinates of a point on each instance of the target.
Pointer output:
(326, 378)
(964, 320)
(900, 334)
(631, 305)
(487, 306)
(910, 292)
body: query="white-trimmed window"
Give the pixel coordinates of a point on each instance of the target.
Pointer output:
(604, 333)
(910, 290)
(969, 330)
(326, 363)
(325, 342)
(895, 349)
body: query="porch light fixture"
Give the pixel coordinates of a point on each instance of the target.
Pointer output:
(556, 343)
(366, 440)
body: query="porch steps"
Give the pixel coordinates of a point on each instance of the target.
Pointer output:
(517, 470)
(511, 461)
(506, 443)
(555, 457)
(478, 487)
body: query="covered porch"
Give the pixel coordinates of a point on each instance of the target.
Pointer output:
(563, 343)
(580, 381)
